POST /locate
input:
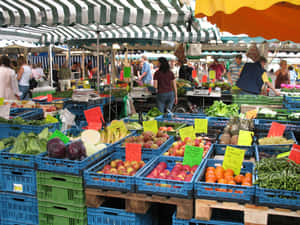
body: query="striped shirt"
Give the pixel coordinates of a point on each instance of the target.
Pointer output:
(235, 70)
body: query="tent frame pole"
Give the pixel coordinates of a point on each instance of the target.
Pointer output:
(98, 50)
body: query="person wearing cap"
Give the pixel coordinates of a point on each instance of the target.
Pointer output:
(253, 77)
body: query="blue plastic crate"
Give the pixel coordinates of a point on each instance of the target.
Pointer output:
(19, 209)
(291, 99)
(16, 179)
(109, 181)
(78, 108)
(13, 130)
(277, 198)
(187, 118)
(183, 189)
(153, 152)
(27, 113)
(218, 149)
(238, 193)
(264, 125)
(69, 166)
(271, 150)
(113, 216)
(217, 121)
(213, 221)
(18, 160)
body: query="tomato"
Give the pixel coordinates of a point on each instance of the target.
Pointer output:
(210, 180)
(229, 178)
(231, 182)
(247, 180)
(210, 169)
(220, 169)
(246, 183)
(239, 179)
(248, 175)
(229, 172)
(221, 181)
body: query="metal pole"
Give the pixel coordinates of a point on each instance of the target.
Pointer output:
(50, 65)
(98, 49)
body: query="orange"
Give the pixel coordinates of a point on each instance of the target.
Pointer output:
(247, 179)
(249, 175)
(210, 180)
(239, 179)
(210, 169)
(220, 169)
(229, 172)
(221, 181)
(231, 182)
(228, 178)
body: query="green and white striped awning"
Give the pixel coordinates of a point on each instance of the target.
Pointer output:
(68, 12)
(177, 33)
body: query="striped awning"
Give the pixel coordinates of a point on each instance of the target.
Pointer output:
(68, 12)
(112, 33)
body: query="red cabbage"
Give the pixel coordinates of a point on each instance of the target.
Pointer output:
(76, 151)
(56, 148)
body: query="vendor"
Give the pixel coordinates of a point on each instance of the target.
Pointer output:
(235, 69)
(252, 78)
(165, 83)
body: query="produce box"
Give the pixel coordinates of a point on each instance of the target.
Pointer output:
(60, 188)
(113, 212)
(172, 128)
(217, 152)
(18, 180)
(13, 130)
(43, 93)
(54, 213)
(187, 118)
(264, 125)
(217, 122)
(224, 192)
(181, 184)
(18, 209)
(146, 150)
(276, 173)
(68, 166)
(257, 100)
(27, 113)
(115, 178)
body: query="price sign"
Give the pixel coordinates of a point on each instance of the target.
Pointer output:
(204, 79)
(107, 79)
(133, 152)
(49, 98)
(194, 74)
(201, 125)
(245, 138)
(94, 118)
(192, 155)
(295, 154)
(212, 74)
(18, 188)
(1, 101)
(282, 155)
(187, 132)
(233, 159)
(150, 125)
(61, 136)
(276, 130)
(127, 72)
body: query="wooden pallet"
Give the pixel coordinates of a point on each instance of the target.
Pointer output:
(253, 215)
(140, 203)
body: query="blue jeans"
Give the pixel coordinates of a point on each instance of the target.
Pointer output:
(165, 101)
(25, 92)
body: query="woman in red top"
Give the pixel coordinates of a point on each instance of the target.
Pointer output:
(282, 75)
(165, 83)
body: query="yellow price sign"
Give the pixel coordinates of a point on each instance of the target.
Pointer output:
(18, 188)
(212, 74)
(1, 101)
(201, 125)
(150, 125)
(233, 159)
(245, 138)
(187, 132)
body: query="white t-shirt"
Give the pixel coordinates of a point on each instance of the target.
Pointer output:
(37, 73)
(24, 81)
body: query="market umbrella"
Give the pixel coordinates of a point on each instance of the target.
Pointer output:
(267, 18)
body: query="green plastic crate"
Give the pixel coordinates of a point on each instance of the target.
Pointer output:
(54, 214)
(43, 93)
(60, 188)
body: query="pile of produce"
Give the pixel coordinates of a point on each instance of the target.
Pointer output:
(178, 147)
(154, 112)
(179, 173)
(294, 116)
(181, 86)
(148, 139)
(279, 173)
(20, 121)
(144, 117)
(221, 176)
(166, 129)
(232, 130)
(73, 151)
(219, 109)
(27, 143)
(63, 94)
(133, 126)
(275, 141)
(109, 136)
(119, 167)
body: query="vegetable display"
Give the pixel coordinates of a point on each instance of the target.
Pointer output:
(133, 126)
(278, 173)
(154, 112)
(21, 121)
(275, 141)
(31, 143)
(219, 109)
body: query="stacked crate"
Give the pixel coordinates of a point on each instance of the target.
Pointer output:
(61, 199)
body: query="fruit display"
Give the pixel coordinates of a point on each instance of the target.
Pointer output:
(109, 136)
(148, 139)
(133, 126)
(232, 130)
(166, 129)
(221, 176)
(179, 172)
(119, 167)
(275, 141)
(178, 147)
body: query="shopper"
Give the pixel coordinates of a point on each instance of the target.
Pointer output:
(235, 69)
(6, 74)
(282, 75)
(14, 81)
(293, 75)
(146, 75)
(165, 83)
(185, 72)
(218, 68)
(64, 76)
(55, 75)
(252, 78)
(38, 72)
(24, 76)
